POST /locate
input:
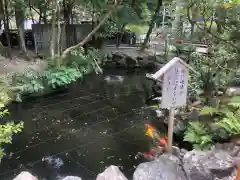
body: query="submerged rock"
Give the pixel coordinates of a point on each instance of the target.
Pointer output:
(233, 91)
(18, 98)
(114, 79)
(166, 167)
(25, 176)
(111, 173)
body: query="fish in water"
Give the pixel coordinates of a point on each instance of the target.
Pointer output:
(54, 161)
(114, 79)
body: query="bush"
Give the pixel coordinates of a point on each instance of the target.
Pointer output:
(216, 72)
(199, 135)
(62, 76)
(28, 82)
(224, 124)
(56, 75)
(7, 130)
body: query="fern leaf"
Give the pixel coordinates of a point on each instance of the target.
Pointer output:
(208, 111)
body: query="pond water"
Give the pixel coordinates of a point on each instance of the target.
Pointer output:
(82, 130)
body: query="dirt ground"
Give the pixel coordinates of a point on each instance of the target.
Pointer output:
(19, 64)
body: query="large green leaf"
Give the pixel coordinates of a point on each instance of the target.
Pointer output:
(208, 111)
(234, 101)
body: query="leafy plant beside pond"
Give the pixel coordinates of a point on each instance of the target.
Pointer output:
(216, 72)
(199, 135)
(56, 74)
(223, 124)
(62, 77)
(7, 130)
(231, 123)
(28, 82)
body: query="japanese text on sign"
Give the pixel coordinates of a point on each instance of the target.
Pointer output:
(175, 86)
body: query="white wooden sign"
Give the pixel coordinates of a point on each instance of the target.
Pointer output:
(174, 93)
(175, 82)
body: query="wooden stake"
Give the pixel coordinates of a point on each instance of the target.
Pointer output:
(238, 171)
(170, 129)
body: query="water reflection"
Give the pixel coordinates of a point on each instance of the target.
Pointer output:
(89, 127)
(53, 161)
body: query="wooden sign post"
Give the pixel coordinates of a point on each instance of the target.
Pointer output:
(174, 92)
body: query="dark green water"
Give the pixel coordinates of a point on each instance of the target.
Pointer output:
(81, 131)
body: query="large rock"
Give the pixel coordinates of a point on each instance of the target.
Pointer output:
(211, 165)
(233, 91)
(72, 178)
(25, 176)
(111, 173)
(166, 167)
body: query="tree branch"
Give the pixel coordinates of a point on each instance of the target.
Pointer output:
(219, 38)
(85, 40)
(208, 30)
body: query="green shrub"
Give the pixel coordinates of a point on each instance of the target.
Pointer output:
(224, 123)
(199, 135)
(230, 119)
(7, 130)
(86, 62)
(62, 76)
(28, 82)
(56, 75)
(231, 123)
(216, 72)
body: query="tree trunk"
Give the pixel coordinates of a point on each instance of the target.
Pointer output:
(119, 38)
(1, 13)
(58, 31)
(151, 26)
(53, 35)
(67, 17)
(6, 27)
(30, 9)
(44, 12)
(86, 39)
(19, 17)
(177, 26)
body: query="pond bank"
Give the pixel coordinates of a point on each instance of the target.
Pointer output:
(219, 163)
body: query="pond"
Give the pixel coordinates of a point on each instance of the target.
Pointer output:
(82, 130)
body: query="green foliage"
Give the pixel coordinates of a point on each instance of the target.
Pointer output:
(231, 123)
(62, 76)
(194, 86)
(7, 130)
(208, 111)
(78, 65)
(199, 135)
(28, 82)
(226, 105)
(224, 123)
(138, 29)
(3, 111)
(234, 101)
(5, 89)
(215, 72)
(229, 120)
(86, 62)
